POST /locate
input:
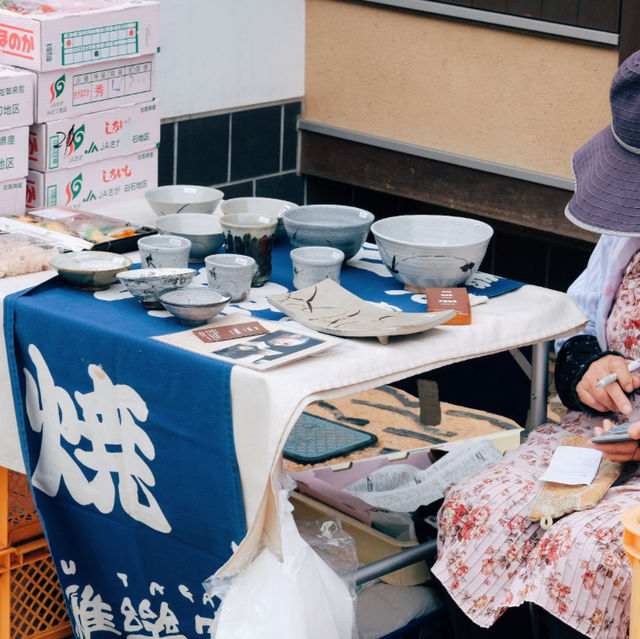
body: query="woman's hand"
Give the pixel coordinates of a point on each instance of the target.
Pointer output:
(620, 451)
(609, 398)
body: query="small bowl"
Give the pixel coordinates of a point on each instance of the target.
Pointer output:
(178, 198)
(268, 206)
(147, 284)
(431, 250)
(90, 270)
(202, 230)
(341, 227)
(194, 305)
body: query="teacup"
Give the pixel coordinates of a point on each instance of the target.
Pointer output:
(312, 264)
(231, 273)
(252, 235)
(164, 251)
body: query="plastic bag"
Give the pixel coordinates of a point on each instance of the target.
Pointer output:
(301, 597)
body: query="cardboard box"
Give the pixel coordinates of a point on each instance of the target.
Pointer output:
(93, 137)
(14, 153)
(16, 97)
(13, 196)
(95, 184)
(94, 87)
(102, 30)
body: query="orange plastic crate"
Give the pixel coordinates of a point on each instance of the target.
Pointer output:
(31, 601)
(18, 516)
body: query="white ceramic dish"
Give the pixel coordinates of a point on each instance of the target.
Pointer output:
(194, 305)
(146, 284)
(178, 198)
(90, 270)
(431, 250)
(329, 308)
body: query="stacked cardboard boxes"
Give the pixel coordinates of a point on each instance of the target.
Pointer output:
(16, 115)
(96, 122)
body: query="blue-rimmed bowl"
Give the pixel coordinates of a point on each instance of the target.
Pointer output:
(334, 225)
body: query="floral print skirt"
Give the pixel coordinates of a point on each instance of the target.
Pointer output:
(491, 556)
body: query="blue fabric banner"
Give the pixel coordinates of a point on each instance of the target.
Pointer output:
(129, 448)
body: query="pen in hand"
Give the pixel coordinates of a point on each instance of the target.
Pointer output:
(612, 377)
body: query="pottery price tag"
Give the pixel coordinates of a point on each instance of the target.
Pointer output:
(231, 331)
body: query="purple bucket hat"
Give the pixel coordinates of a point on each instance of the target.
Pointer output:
(607, 167)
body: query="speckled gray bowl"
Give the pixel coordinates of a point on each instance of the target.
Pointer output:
(201, 229)
(194, 305)
(90, 270)
(431, 250)
(146, 284)
(340, 227)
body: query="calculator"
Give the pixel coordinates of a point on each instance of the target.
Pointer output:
(618, 433)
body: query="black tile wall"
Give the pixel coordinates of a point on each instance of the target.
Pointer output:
(246, 153)
(165, 154)
(287, 186)
(255, 147)
(203, 150)
(239, 189)
(290, 136)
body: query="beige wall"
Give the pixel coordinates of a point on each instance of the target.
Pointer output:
(504, 96)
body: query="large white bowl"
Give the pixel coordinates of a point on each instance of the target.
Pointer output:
(431, 250)
(341, 227)
(178, 198)
(202, 230)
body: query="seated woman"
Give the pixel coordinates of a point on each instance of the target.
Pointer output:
(491, 557)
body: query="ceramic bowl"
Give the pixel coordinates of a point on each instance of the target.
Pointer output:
(260, 206)
(194, 305)
(179, 198)
(202, 230)
(90, 270)
(341, 227)
(431, 250)
(146, 284)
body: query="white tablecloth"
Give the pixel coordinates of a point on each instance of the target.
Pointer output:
(267, 404)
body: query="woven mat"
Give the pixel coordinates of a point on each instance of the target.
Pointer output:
(393, 416)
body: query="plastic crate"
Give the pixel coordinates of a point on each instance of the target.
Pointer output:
(18, 516)
(631, 545)
(31, 601)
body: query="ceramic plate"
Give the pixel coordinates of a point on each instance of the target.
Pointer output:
(329, 308)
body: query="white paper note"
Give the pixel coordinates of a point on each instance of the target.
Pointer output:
(573, 465)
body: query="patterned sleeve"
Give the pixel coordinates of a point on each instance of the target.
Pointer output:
(573, 360)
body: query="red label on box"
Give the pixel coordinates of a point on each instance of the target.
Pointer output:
(446, 299)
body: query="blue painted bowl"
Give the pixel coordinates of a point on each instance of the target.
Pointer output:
(334, 225)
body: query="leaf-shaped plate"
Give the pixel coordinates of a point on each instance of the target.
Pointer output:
(329, 308)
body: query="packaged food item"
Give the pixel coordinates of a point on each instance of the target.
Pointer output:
(77, 230)
(21, 254)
